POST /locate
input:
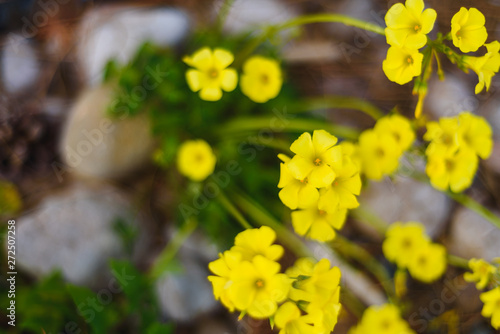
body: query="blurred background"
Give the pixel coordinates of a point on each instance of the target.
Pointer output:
(76, 212)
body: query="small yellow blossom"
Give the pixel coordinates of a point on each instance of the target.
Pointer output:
(342, 192)
(399, 127)
(211, 74)
(491, 308)
(481, 273)
(453, 170)
(401, 65)
(476, 134)
(324, 312)
(382, 319)
(351, 151)
(257, 241)
(296, 193)
(261, 79)
(290, 320)
(222, 269)
(407, 25)
(318, 223)
(467, 29)
(314, 157)
(257, 287)
(379, 153)
(402, 241)
(444, 136)
(196, 159)
(428, 263)
(486, 66)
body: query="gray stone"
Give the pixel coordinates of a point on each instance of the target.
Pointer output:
(405, 199)
(473, 236)
(449, 97)
(117, 31)
(94, 145)
(20, 67)
(73, 231)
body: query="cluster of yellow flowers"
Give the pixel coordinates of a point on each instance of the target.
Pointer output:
(407, 26)
(322, 181)
(455, 145)
(408, 246)
(247, 278)
(382, 319)
(261, 79)
(196, 160)
(380, 148)
(484, 274)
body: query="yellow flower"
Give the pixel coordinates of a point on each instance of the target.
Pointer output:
(382, 319)
(318, 223)
(211, 73)
(222, 268)
(407, 25)
(443, 135)
(491, 308)
(257, 241)
(324, 312)
(486, 66)
(481, 273)
(401, 65)
(196, 159)
(379, 154)
(314, 157)
(453, 170)
(399, 127)
(476, 134)
(296, 193)
(342, 192)
(257, 287)
(290, 320)
(261, 79)
(351, 151)
(428, 263)
(402, 241)
(467, 30)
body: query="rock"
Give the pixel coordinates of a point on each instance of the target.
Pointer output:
(407, 200)
(73, 231)
(96, 146)
(449, 97)
(473, 236)
(188, 294)
(359, 9)
(117, 31)
(245, 15)
(20, 67)
(310, 51)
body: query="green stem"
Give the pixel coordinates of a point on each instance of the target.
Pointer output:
(475, 206)
(338, 102)
(363, 257)
(167, 255)
(273, 124)
(224, 10)
(369, 218)
(233, 211)
(458, 261)
(262, 217)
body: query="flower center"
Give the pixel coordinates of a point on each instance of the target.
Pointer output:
(322, 212)
(417, 27)
(305, 181)
(213, 73)
(317, 162)
(409, 60)
(422, 261)
(450, 164)
(406, 243)
(265, 79)
(379, 152)
(259, 283)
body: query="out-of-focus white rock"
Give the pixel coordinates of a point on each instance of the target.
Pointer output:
(244, 15)
(450, 97)
(95, 145)
(184, 296)
(73, 231)
(473, 236)
(20, 67)
(360, 9)
(407, 200)
(117, 31)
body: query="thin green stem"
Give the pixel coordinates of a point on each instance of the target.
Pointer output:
(262, 217)
(369, 218)
(224, 10)
(338, 102)
(458, 261)
(224, 201)
(167, 255)
(475, 206)
(333, 18)
(351, 250)
(273, 124)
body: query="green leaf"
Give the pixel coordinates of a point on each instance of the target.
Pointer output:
(159, 328)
